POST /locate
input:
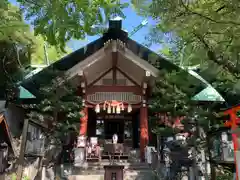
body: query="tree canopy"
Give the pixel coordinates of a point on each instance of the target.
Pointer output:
(13, 29)
(59, 107)
(19, 47)
(58, 21)
(53, 53)
(16, 44)
(204, 33)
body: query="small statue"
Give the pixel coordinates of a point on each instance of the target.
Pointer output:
(81, 142)
(115, 139)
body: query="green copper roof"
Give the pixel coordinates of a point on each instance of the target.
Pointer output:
(25, 94)
(208, 94)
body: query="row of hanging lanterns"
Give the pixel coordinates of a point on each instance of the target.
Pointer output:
(113, 107)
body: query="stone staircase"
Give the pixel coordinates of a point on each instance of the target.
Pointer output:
(133, 169)
(95, 171)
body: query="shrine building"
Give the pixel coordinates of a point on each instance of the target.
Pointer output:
(115, 76)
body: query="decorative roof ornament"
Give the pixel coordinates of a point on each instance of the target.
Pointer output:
(114, 45)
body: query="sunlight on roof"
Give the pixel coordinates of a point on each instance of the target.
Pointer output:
(117, 18)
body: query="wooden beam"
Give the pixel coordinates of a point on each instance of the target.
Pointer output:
(9, 136)
(128, 77)
(139, 62)
(1, 118)
(114, 66)
(99, 77)
(133, 89)
(22, 150)
(86, 63)
(83, 78)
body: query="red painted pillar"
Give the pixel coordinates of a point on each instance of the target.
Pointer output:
(83, 121)
(233, 124)
(143, 131)
(233, 116)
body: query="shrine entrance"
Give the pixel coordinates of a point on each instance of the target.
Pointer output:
(109, 124)
(115, 82)
(114, 126)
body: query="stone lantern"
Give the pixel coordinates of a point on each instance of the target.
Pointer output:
(79, 151)
(221, 147)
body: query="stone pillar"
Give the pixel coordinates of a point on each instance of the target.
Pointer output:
(224, 141)
(83, 121)
(143, 131)
(191, 174)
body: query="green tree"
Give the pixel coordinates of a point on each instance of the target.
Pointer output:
(57, 98)
(58, 21)
(58, 110)
(19, 48)
(16, 45)
(53, 53)
(200, 32)
(172, 99)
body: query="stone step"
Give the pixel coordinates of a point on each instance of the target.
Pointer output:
(99, 165)
(101, 171)
(131, 170)
(128, 175)
(86, 177)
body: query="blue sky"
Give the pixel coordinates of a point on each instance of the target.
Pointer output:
(132, 20)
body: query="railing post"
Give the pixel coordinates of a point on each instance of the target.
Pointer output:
(22, 150)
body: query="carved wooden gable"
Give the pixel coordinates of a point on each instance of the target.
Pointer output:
(121, 80)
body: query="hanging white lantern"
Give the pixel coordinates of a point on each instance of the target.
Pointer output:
(118, 109)
(145, 85)
(104, 106)
(113, 109)
(129, 109)
(122, 107)
(97, 108)
(148, 74)
(82, 84)
(109, 109)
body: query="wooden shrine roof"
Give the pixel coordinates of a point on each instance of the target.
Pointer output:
(114, 32)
